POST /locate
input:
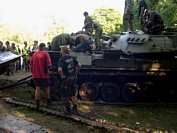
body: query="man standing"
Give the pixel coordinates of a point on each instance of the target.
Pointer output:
(35, 46)
(128, 16)
(26, 55)
(7, 48)
(88, 22)
(83, 43)
(98, 34)
(2, 48)
(15, 50)
(68, 73)
(62, 40)
(154, 18)
(40, 63)
(142, 6)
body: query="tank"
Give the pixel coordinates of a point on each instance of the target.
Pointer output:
(132, 67)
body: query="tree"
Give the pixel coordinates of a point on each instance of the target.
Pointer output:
(55, 27)
(109, 18)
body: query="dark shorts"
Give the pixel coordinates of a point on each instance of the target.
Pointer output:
(42, 82)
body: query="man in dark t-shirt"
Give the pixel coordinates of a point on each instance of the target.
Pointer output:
(154, 18)
(68, 69)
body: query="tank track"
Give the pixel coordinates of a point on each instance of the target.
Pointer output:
(82, 117)
(116, 72)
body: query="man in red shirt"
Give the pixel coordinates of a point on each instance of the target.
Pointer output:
(39, 64)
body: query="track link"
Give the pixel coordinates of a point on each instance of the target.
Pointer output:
(81, 117)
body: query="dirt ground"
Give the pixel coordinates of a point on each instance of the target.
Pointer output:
(51, 123)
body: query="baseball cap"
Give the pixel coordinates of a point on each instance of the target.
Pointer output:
(41, 45)
(65, 49)
(145, 10)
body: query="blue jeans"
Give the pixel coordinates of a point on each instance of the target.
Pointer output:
(82, 46)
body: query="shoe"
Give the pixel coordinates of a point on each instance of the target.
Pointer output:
(37, 104)
(49, 103)
(65, 112)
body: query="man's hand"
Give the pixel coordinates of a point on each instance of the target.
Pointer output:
(63, 77)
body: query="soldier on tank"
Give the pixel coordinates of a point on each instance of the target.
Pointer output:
(154, 18)
(98, 33)
(62, 40)
(88, 22)
(128, 16)
(68, 69)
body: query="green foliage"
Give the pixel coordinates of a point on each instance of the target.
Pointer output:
(55, 27)
(19, 34)
(109, 18)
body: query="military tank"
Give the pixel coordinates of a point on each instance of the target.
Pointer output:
(132, 67)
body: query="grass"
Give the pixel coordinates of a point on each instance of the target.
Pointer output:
(158, 119)
(164, 119)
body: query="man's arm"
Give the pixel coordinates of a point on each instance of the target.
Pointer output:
(78, 68)
(60, 72)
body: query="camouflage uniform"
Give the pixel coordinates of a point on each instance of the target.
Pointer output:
(62, 40)
(68, 91)
(98, 34)
(128, 15)
(88, 27)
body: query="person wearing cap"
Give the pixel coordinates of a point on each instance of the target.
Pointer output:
(154, 18)
(83, 43)
(62, 40)
(26, 55)
(68, 69)
(128, 15)
(142, 6)
(88, 22)
(40, 63)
